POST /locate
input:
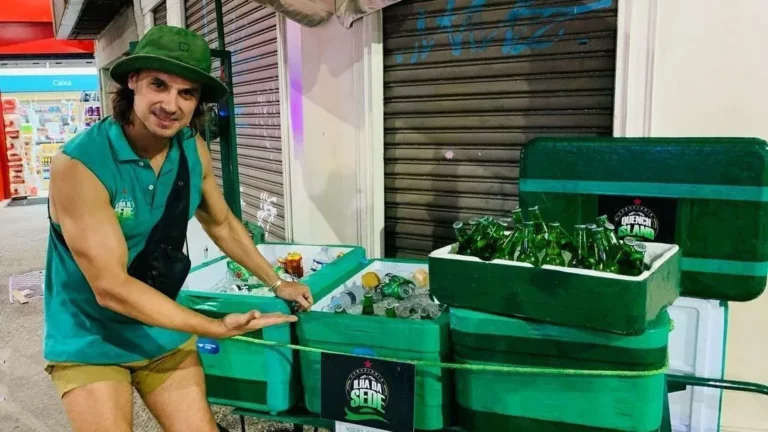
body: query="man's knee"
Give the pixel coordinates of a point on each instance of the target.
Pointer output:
(100, 406)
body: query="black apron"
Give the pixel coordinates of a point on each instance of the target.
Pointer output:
(162, 263)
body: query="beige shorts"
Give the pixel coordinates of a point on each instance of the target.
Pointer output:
(145, 375)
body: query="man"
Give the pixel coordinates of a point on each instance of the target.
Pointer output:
(107, 329)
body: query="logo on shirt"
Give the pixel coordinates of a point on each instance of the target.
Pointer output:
(125, 208)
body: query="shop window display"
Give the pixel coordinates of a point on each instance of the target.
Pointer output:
(36, 126)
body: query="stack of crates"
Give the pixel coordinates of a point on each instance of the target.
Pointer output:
(513, 314)
(490, 331)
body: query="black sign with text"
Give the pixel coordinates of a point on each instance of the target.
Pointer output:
(367, 392)
(648, 219)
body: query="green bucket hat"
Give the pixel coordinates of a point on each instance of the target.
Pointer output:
(176, 51)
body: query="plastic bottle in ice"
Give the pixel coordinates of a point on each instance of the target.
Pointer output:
(350, 296)
(321, 259)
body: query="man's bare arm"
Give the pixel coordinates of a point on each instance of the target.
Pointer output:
(81, 205)
(224, 228)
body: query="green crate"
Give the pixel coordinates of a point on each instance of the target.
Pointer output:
(381, 336)
(247, 375)
(717, 188)
(559, 295)
(504, 401)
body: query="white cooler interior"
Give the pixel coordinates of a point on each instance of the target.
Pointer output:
(210, 274)
(381, 268)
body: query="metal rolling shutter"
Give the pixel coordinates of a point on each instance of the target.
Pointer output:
(251, 35)
(160, 14)
(466, 84)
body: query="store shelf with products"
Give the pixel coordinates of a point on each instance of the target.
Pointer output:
(19, 151)
(90, 112)
(37, 125)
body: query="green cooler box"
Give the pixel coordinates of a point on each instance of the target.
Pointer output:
(560, 295)
(384, 337)
(247, 375)
(707, 195)
(508, 401)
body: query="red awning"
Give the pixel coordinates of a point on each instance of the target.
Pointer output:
(26, 27)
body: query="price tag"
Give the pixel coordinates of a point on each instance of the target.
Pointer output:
(349, 427)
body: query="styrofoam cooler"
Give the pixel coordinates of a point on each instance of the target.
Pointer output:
(510, 401)
(381, 336)
(247, 375)
(560, 295)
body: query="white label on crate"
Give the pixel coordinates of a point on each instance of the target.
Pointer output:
(348, 427)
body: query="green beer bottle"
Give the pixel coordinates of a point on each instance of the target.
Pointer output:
(480, 237)
(391, 312)
(504, 240)
(553, 254)
(527, 248)
(461, 238)
(603, 262)
(622, 259)
(495, 230)
(368, 303)
(506, 247)
(472, 233)
(512, 242)
(610, 231)
(517, 217)
(581, 258)
(591, 241)
(566, 243)
(498, 237)
(540, 229)
(637, 259)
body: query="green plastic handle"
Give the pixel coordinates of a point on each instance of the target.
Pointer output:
(742, 386)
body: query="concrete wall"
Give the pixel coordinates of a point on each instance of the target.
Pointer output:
(328, 131)
(175, 12)
(114, 40)
(111, 45)
(322, 159)
(709, 79)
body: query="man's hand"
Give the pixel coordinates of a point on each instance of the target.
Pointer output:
(236, 324)
(294, 291)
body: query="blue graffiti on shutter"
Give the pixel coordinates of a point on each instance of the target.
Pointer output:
(478, 41)
(421, 48)
(514, 45)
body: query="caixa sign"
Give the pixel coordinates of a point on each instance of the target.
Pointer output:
(48, 83)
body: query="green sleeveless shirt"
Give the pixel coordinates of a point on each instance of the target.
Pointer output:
(77, 329)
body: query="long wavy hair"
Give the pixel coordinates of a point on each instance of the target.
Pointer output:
(122, 109)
